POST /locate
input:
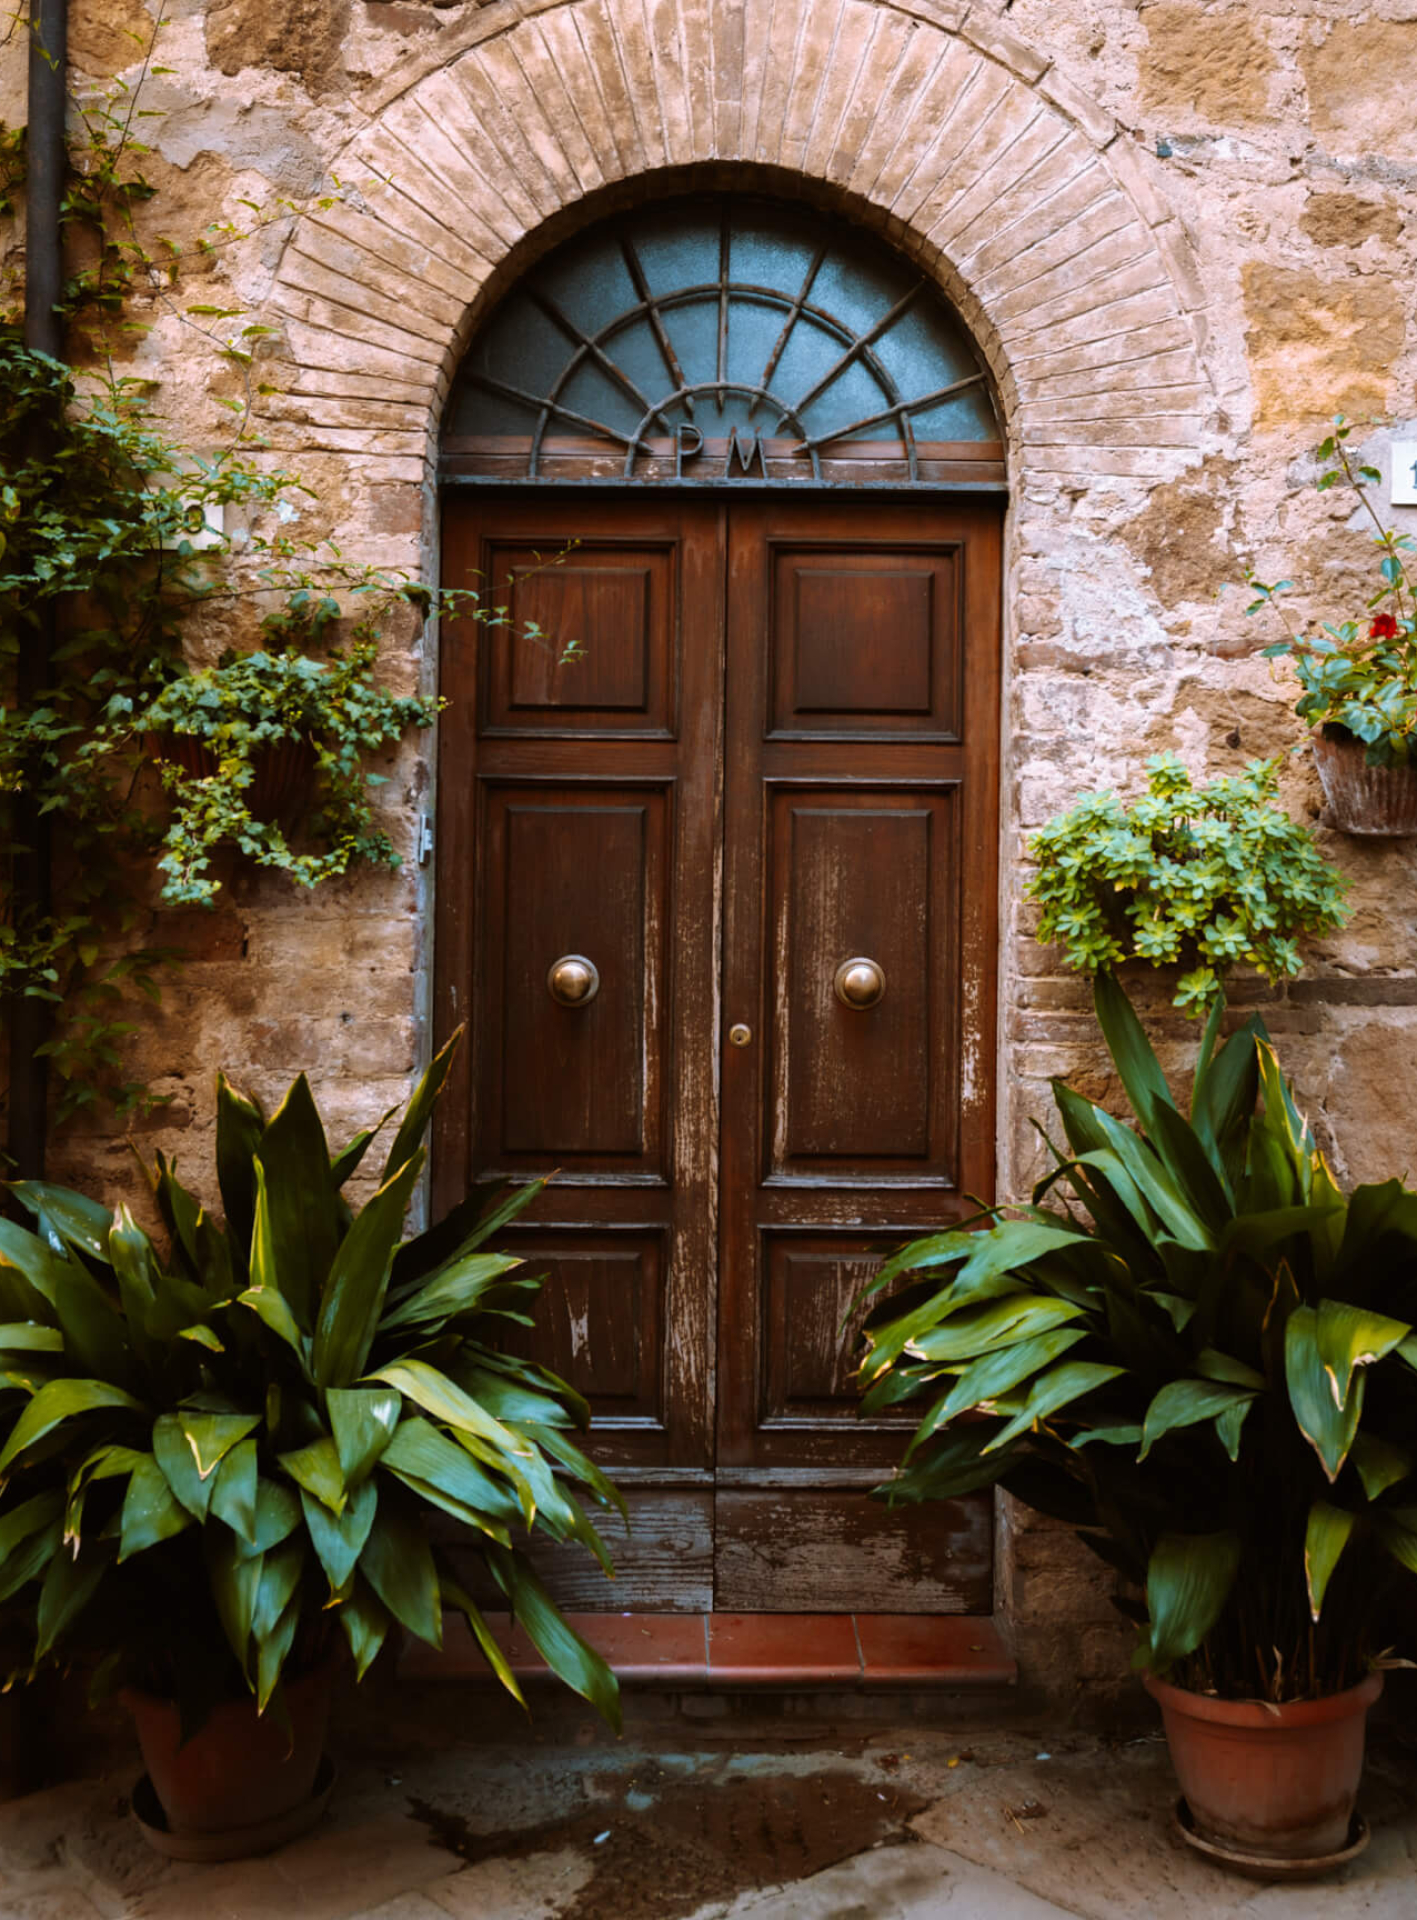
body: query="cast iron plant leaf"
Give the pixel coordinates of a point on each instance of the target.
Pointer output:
(1205, 1360)
(216, 1458)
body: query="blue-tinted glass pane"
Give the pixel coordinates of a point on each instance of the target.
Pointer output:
(678, 246)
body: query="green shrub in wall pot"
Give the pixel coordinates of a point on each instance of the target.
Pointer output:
(1193, 1347)
(218, 1462)
(1358, 676)
(1201, 878)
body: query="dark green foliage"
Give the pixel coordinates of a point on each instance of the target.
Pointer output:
(1210, 877)
(1195, 1349)
(214, 1457)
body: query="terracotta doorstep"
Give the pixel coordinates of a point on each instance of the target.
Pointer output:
(750, 1649)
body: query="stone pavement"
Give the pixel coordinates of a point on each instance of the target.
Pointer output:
(794, 1820)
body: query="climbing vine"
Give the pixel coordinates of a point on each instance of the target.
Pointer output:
(141, 547)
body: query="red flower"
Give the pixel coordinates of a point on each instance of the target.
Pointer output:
(1384, 627)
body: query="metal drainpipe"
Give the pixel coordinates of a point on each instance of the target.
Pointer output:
(28, 1021)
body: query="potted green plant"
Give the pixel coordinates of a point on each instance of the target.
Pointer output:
(1203, 878)
(1194, 1348)
(218, 1463)
(1359, 676)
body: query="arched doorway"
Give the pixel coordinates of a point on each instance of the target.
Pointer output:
(747, 460)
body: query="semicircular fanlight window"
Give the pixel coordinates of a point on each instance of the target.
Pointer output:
(723, 322)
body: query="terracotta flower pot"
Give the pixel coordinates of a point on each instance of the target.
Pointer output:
(281, 776)
(1364, 799)
(240, 1769)
(1269, 1780)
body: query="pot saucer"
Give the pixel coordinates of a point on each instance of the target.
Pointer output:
(233, 1843)
(1261, 1866)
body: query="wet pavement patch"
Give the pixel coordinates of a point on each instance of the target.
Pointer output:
(661, 1845)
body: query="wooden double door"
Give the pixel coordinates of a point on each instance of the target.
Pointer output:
(717, 901)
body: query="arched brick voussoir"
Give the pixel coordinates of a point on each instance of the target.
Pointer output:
(922, 117)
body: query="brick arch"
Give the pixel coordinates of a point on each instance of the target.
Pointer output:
(1031, 209)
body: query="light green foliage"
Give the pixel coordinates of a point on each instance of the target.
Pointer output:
(1192, 1347)
(1202, 877)
(213, 1457)
(1359, 675)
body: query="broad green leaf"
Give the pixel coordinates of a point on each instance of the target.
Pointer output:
(1397, 1529)
(278, 1513)
(239, 1126)
(462, 1230)
(1130, 1049)
(457, 1596)
(1378, 1464)
(26, 1336)
(1184, 1403)
(363, 1420)
(442, 1472)
(346, 1164)
(1329, 1428)
(234, 1581)
(134, 1264)
(234, 1494)
(1107, 1437)
(211, 1436)
(338, 1543)
(398, 1564)
(202, 1337)
(436, 1394)
(452, 1289)
(316, 1469)
(94, 1334)
(1213, 1365)
(79, 1222)
(68, 1587)
(996, 1373)
(1003, 1323)
(1178, 1309)
(30, 1271)
(280, 1579)
(30, 1517)
(419, 1110)
(150, 1511)
(354, 1295)
(1162, 1193)
(1325, 1537)
(563, 1650)
(272, 1651)
(173, 1452)
(274, 1309)
(296, 1219)
(60, 1400)
(1050, 1392)
(1351, 1337)
(1374, 1213)
(1188, 1581)
(366, 1623)
(30, 1556)
(1229, 1425)
(949, 1466)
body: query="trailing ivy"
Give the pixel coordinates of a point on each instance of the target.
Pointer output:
(116, 524)
(1204, 877)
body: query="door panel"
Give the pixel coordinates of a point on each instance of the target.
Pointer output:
(860, 821)
(578, 815)
(860, 1094)
(775, 751)
(574, 871)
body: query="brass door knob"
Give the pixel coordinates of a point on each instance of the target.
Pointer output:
(573, 981)
(859, 983)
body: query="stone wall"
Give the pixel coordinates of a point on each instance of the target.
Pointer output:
(1185, 234)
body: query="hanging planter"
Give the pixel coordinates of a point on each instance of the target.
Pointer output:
(282, 773)
(1363, 798)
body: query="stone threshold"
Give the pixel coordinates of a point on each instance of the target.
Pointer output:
(770, 1650)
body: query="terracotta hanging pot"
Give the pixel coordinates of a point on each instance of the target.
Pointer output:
(1266, 1782)
(1364, 799)
(241, 1776)
(281, 775)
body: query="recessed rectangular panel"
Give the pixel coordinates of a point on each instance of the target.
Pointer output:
(587, 644)
(865, 643)
(575, 874)
(599, 1317)
(863, 876)
(811, 1326)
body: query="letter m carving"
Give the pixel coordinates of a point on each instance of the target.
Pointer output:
(744, 448)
